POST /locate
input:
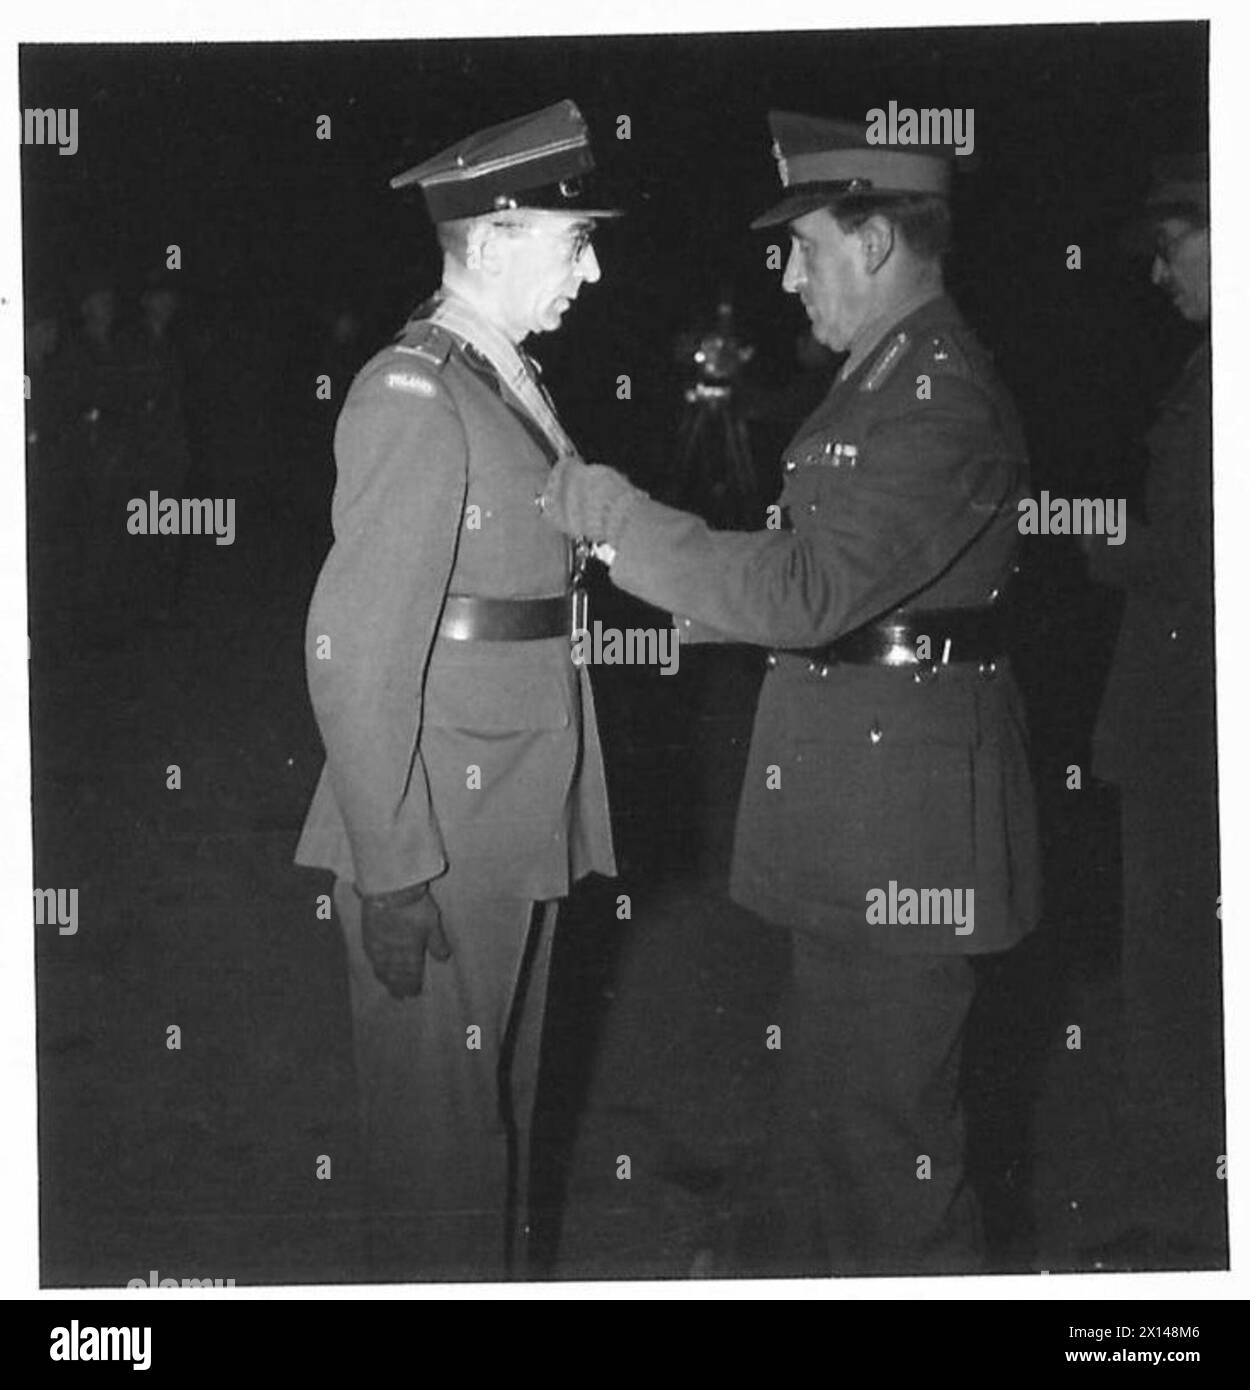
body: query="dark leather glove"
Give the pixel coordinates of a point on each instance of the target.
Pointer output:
(396, 936)
(588, 499)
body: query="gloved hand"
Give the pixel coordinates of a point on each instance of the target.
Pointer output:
(396, 937)
(588, 499)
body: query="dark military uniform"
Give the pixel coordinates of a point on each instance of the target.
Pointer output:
(1155, 739)
(898, 507)
(915, 773)
(877, 758)
(457, 755)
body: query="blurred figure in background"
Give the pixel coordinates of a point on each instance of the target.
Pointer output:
(162, 454)
(50, 547)
(1155, 739)
(122, 388)
(99, 445)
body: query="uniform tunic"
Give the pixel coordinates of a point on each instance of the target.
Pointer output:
(901, 495)
(471, 764)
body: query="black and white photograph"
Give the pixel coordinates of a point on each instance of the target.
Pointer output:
(622, 657)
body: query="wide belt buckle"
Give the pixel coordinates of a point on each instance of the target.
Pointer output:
(580, 613)
(898, 649)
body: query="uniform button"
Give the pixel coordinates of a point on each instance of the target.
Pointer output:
(790, 465)
(874, 733)
(811, 506)
(994, 595)
(811, 668)
(1174, 634)
(824, 672)
(770, 659)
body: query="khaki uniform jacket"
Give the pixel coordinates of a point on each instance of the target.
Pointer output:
(1156, 727)
(480, 758)
(901, 493)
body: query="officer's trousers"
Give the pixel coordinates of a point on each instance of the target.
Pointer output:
(447, 1082)
(871, 1150)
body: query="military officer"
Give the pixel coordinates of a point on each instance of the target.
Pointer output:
(1155, 740)
(463, 789)
(889, 748)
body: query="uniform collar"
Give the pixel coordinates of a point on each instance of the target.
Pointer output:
(515, 370)
(472, 326)
(870, 334)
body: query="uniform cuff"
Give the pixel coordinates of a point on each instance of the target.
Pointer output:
(617, 513)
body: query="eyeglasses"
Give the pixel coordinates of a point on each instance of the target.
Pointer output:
(576, 240)
(579, 241)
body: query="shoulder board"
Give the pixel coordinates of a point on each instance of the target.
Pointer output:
(426, 341)
(887, 360)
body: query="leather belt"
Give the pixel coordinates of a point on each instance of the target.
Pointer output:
(956, 635)
(470, 619)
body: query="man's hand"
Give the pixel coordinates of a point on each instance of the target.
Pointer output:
(396, 939)
(587, 499)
